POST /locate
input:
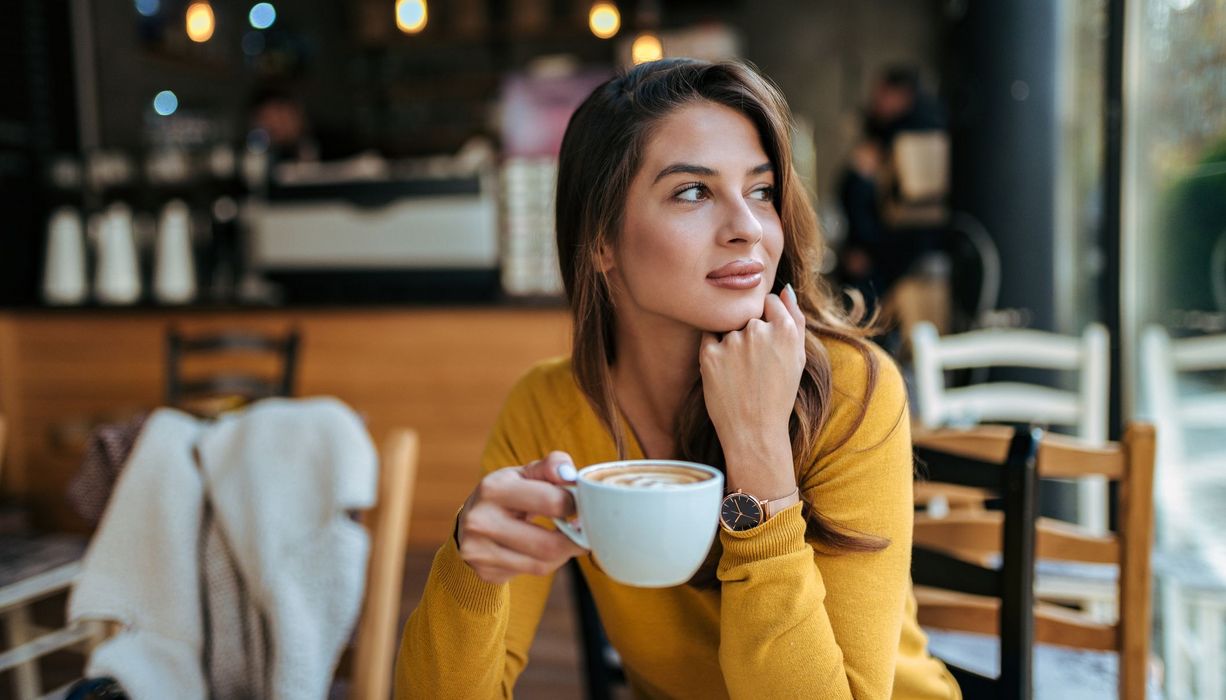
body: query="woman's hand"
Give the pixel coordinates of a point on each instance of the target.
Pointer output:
(494, 534)
(749, 380)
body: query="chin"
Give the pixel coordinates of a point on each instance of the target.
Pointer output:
(731, 317)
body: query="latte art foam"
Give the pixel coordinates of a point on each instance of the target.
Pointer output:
(649, 477)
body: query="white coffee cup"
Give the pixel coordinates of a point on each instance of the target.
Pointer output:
(651, 535)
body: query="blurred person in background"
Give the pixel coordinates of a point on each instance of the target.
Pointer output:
(277, 121)
(701, 333)
(876, 251)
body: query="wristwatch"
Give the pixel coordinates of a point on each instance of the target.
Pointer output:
(741, 511)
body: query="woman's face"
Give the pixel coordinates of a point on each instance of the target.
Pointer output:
(701, 238)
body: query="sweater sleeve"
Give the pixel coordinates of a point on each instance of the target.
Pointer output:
(800, 620)
(468, 638)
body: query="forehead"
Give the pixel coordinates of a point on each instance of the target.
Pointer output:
(705, 133)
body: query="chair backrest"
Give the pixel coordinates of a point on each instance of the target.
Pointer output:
(1084, 410)
(1163, 361)
(976, 536)
(1007, 592)
(374, 651)
(232, 366)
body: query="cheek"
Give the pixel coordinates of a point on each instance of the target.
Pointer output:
(653, 252)
(773, 244)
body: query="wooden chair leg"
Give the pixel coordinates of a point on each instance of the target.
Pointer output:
(26, 677)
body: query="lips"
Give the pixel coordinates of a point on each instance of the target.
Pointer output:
(739, 274)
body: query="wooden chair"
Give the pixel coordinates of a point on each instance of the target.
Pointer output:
(1084, 410)
(232, 359)
(372, 656)
(1005, 594)
(979, 536)
(35, 566)
(1192, 590)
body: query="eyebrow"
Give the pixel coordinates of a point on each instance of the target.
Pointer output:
(705, 171)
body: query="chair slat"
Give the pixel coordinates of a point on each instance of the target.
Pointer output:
(957, 611)
(47, 643)
(1012, 402)
(960, 497)
(1022, 348)
(1068, 628)
(980, 531)
(981, 615)
(1199, 353)
(1060, 456)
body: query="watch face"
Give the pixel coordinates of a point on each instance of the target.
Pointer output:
(740, 511)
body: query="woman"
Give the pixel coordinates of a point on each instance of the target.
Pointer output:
(678, 213)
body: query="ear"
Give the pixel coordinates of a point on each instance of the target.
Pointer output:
(604, 257)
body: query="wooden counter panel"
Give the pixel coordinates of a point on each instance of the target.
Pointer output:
(442, 372)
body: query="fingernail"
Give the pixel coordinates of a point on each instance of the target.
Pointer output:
(791, 292)
(567, 472)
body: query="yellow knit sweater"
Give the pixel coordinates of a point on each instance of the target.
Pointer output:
(790, 619)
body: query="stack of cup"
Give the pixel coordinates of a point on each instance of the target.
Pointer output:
(64, 269)
(118, 277)
(174, 279)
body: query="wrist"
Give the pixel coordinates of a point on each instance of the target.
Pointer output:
(765, 471)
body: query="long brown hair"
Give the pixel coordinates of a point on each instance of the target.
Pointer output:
(601, 152)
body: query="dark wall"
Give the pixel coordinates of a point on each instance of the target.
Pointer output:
(37, 119)
(1002, 65)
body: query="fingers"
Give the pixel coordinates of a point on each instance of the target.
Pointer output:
(537, 542)
(510, 489)
(784, 307)
(521, 537)
(556, 468)
(498, 543)
(793, 306)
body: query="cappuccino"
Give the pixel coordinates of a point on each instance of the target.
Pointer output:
(647, 522)
(648, 476)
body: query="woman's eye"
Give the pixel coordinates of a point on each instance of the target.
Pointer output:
(765, 194)
(692, 193)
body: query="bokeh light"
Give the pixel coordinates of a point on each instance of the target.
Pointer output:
(262, 15)
(604, 20)
(148, 8)
(200, 22)
(411, 15)
(165, 103)
(646, 47)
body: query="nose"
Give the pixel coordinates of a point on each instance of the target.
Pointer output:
(741, 225)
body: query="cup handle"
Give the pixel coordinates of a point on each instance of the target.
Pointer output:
(575, 534)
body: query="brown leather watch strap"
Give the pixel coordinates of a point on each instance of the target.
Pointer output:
(772, 507)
